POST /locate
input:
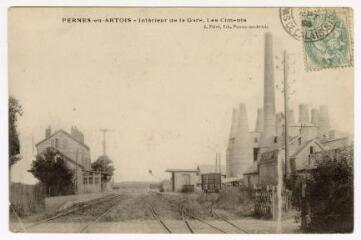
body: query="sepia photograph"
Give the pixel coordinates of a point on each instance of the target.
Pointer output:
(181, 120)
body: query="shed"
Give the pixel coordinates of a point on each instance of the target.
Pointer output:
(183, 177)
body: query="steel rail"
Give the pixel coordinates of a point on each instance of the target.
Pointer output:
(207, 223)
(156, 216)
(229, 222)
(186, 222)
(100, 216)
(73, 210)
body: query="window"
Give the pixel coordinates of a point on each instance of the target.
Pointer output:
(312, 150)
(275, 140)
(96, 180)
(255, 154)
(85, 179)
(56, 143)
(255, 140)
(91, 179)
(299, 141)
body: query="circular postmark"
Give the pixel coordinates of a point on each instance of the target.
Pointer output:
(317, 24)
(290, 19)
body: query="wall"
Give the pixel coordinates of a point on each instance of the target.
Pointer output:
(90, 183)
(53, 204)
(268, 173)
(179, 182)
(26, 199)
(69, 147)
(250, 180)
(302, 159)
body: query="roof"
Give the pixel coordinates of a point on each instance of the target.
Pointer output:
(70, 160)
(182, 170)
(70, 136)
(251, 169)
(269, 156)
(304, 146)
(335, 139)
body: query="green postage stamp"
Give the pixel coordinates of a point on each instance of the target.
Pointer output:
(327, 38)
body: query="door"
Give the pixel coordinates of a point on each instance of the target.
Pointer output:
(186, 179)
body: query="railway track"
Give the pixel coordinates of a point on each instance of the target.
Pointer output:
(79, 208)
(184, 214)
(229, 222)
(95, 210)
(157, 217)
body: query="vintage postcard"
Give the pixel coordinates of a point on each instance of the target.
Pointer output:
(181, 120)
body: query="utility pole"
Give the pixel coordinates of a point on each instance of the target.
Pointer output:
(285, 100)
(215, 167)
(105, 130)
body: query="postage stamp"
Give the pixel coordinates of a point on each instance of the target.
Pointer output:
(327, 39)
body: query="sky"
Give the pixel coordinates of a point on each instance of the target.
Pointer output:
(167, 90)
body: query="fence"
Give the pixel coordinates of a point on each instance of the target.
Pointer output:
(265, 201)
(27, 199)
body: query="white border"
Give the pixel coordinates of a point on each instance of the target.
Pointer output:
(4, 4)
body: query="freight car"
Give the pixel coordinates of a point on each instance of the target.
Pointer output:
(211, 182)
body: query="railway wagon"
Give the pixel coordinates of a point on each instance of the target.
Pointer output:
(211, 182)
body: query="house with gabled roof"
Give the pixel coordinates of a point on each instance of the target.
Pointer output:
(76, 154)
(265, 171)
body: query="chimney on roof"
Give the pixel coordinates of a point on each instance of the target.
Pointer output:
(76, 134)
(47, 132)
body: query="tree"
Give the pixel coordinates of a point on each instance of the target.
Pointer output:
(329, 193)
(105, 165)
(51, 170)
(15, 110)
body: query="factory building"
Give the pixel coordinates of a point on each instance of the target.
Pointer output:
(253, 155)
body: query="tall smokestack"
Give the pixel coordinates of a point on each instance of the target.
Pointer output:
(315, 116)
(303, 117)
(231, 142)
(279, 124)
(323, 122)
(291, 118)
(269, 127)
(242, 151)
(292, 129)
(259, 122)
(233, 130)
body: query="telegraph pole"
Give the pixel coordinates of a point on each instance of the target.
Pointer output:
(105, 130)
(285, 100)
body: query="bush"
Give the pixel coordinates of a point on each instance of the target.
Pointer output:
(329, 194)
